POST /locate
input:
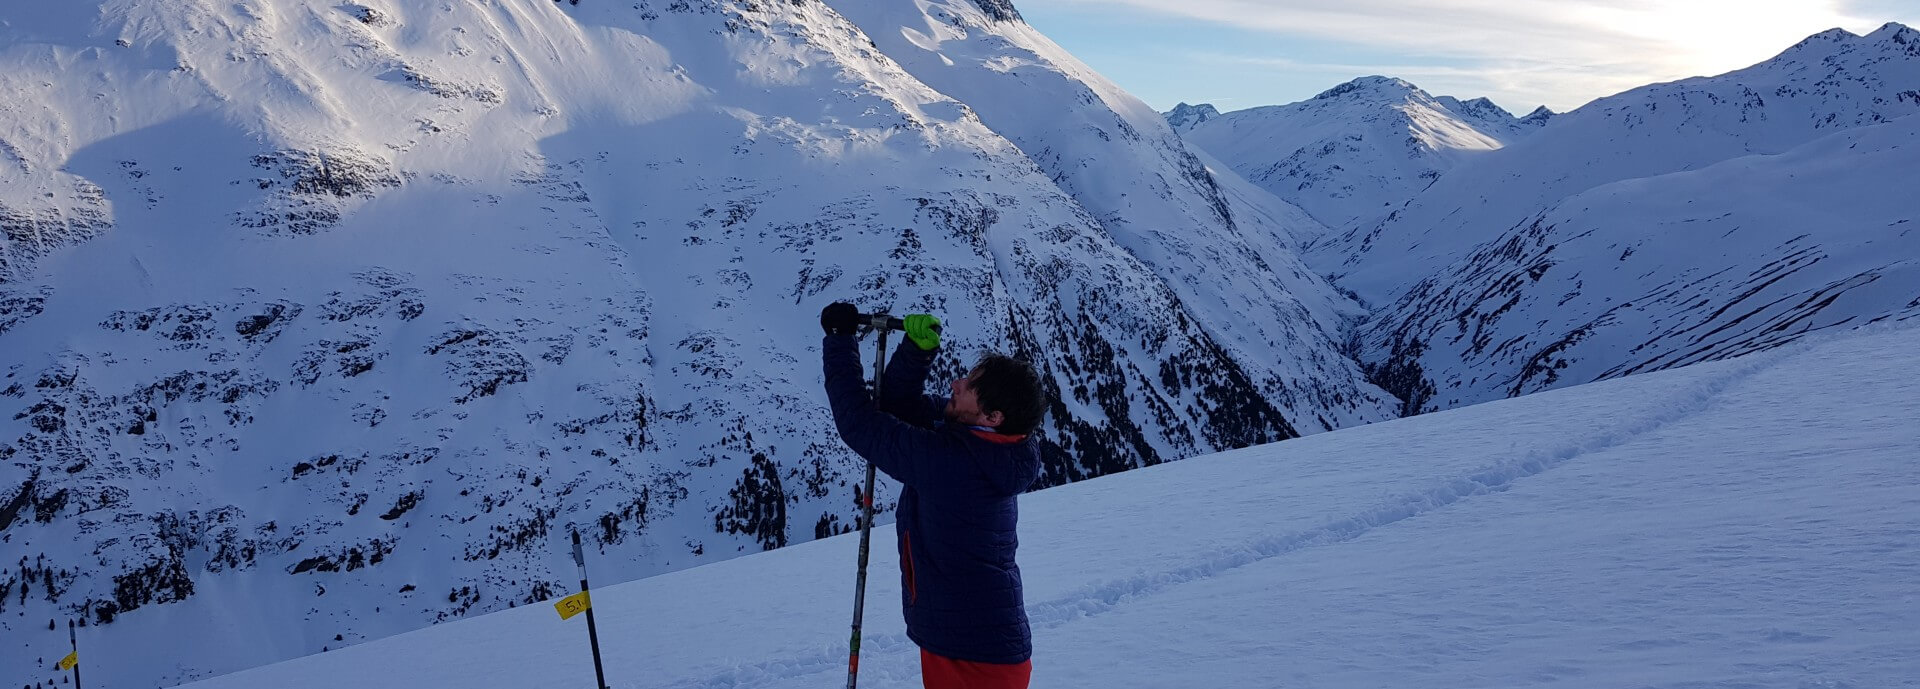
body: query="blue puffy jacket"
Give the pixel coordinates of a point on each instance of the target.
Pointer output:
(960, 588)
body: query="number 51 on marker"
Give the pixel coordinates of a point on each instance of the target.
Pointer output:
(573, 605)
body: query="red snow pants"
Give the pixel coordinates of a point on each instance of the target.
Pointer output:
(941, 672)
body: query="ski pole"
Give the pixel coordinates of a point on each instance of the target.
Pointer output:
(881, 321)
(883, 324)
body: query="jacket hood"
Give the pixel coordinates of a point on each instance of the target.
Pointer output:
(1013, 465)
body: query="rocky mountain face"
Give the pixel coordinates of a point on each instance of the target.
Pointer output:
(328, 321)
(1183, 116)
(1675, 223)
(998, 10)
(1356, 151)
(1485, 116)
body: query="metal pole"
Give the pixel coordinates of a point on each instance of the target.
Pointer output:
(866, 530)
(593, 635)
(75, 643)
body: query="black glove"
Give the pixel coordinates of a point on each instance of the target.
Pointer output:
(840, 318)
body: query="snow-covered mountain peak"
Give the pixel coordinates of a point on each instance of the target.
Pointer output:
(1357, 150)
(1484, 115)
(1830, 36)
(1372, 87)
(1819, 46)
(1478, 106)
(999, 10)
(1184, 116)
(1538, 117)
(1825, 62)
(1892, 29)
(1898, 34)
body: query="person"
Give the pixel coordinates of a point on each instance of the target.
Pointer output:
(962, 461)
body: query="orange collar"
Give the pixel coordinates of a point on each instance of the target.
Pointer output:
(1002, 439)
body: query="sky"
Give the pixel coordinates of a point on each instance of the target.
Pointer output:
(1239, 54)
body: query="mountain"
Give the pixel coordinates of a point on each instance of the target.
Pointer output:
(1831, 81)
(1735, 523)
(1184, 116)
(1681, 222)
(323, 320)
(1487, 117)
(1357, 150)
(1646, 274)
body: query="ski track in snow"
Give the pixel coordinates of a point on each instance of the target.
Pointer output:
(1101, 598)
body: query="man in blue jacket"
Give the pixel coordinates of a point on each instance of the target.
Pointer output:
(962, 462)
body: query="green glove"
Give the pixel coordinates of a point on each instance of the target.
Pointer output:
(923, 329)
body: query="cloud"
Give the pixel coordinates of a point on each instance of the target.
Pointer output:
(1564, 52)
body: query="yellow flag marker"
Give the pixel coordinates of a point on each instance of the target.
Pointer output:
(71, 660)
(573, 605)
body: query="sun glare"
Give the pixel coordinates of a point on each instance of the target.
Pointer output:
(1705, 37)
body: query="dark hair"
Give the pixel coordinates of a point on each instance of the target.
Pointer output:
(1010, 386)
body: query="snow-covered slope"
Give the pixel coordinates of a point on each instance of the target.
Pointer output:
(1735, 523)
(1358, 150)
(1831, 81)
(320, 320)
(1680, 222)
(1645, 274)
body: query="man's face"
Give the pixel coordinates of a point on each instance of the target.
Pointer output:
(964, 408)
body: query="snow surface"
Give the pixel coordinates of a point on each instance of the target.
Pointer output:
(1745, 523)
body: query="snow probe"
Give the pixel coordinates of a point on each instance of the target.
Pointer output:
(883, 324)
